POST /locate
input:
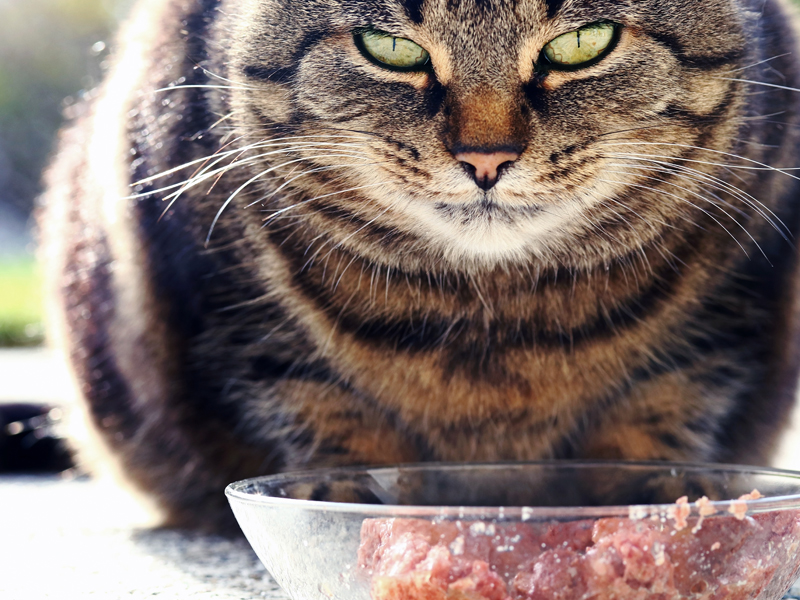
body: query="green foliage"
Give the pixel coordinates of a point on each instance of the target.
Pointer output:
(20, 303)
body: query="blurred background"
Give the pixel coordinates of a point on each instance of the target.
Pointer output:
(52, 54)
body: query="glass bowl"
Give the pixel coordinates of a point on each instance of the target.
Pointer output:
(526, 531)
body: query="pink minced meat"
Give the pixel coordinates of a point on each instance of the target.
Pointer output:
(614, 559)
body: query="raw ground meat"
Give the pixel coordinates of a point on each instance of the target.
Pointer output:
(604, 559)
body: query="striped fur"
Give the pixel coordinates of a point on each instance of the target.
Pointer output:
(331, 287)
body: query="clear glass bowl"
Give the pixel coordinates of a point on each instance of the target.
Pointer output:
(533, 531)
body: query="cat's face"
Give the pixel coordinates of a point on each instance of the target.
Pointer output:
(584, 155)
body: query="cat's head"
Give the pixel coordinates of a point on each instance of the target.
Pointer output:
(475, 133)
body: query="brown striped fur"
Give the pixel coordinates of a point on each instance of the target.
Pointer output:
(627, 289)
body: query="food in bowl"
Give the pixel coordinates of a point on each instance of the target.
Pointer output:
(535, 531)
(668, 556)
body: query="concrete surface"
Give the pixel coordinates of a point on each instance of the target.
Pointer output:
(36, 375)
(86, 539)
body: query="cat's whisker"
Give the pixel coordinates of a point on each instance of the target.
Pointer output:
(761, 83)
(267, 220)
(755, 144)
(218, 173)
(221, 78)
(296, 148)
(291, 194)
(353, 133)
(593, 193)
(700, 177)
(309, 172)
(287, 182)
(766, 116)
(237, 163)
(748, 199)
(717, 200)
(254, 179)
(761, 62)
(199, 172)
(762, 209)
(643, 128)
(201, 86)
(205, 174)
(201, 168)
(759, 165)
(738, 176)
(634, 156)
(321, 127)
(220, 121)
(161, 174)
(701, 209)
(232, 165)
(257, 145)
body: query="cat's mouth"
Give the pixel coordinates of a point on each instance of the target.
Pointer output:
(486, 210)
(487, 233)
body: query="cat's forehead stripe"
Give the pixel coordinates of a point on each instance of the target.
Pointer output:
(414, 10)
(553, 6)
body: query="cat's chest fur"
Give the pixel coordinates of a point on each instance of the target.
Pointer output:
(481, 255)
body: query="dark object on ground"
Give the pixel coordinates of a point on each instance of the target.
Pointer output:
(30, 441)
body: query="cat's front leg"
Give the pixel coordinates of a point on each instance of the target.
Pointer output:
(329, 425)
(320, 424)
(672, 417)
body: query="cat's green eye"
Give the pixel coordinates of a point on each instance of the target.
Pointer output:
(577, 48)
(392, 52)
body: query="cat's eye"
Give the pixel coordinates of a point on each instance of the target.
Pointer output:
(581, 47)
(392, 52)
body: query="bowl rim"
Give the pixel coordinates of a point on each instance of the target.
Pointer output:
(723, 508)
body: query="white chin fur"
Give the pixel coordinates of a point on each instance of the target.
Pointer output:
(487, 241)
(468, 234)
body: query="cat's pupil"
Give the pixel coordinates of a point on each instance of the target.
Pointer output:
(390, 51)
(580, 47)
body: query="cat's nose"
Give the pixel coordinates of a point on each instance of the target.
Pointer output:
(485, 167)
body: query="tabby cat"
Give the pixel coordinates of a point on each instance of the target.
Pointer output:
(298, 234)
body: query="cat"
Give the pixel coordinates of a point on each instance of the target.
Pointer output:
(309, 234)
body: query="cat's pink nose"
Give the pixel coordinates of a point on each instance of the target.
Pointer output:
(485, 166)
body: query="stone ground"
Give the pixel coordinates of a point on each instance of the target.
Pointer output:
(63, 537)
(34, 375)
(85, 539)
